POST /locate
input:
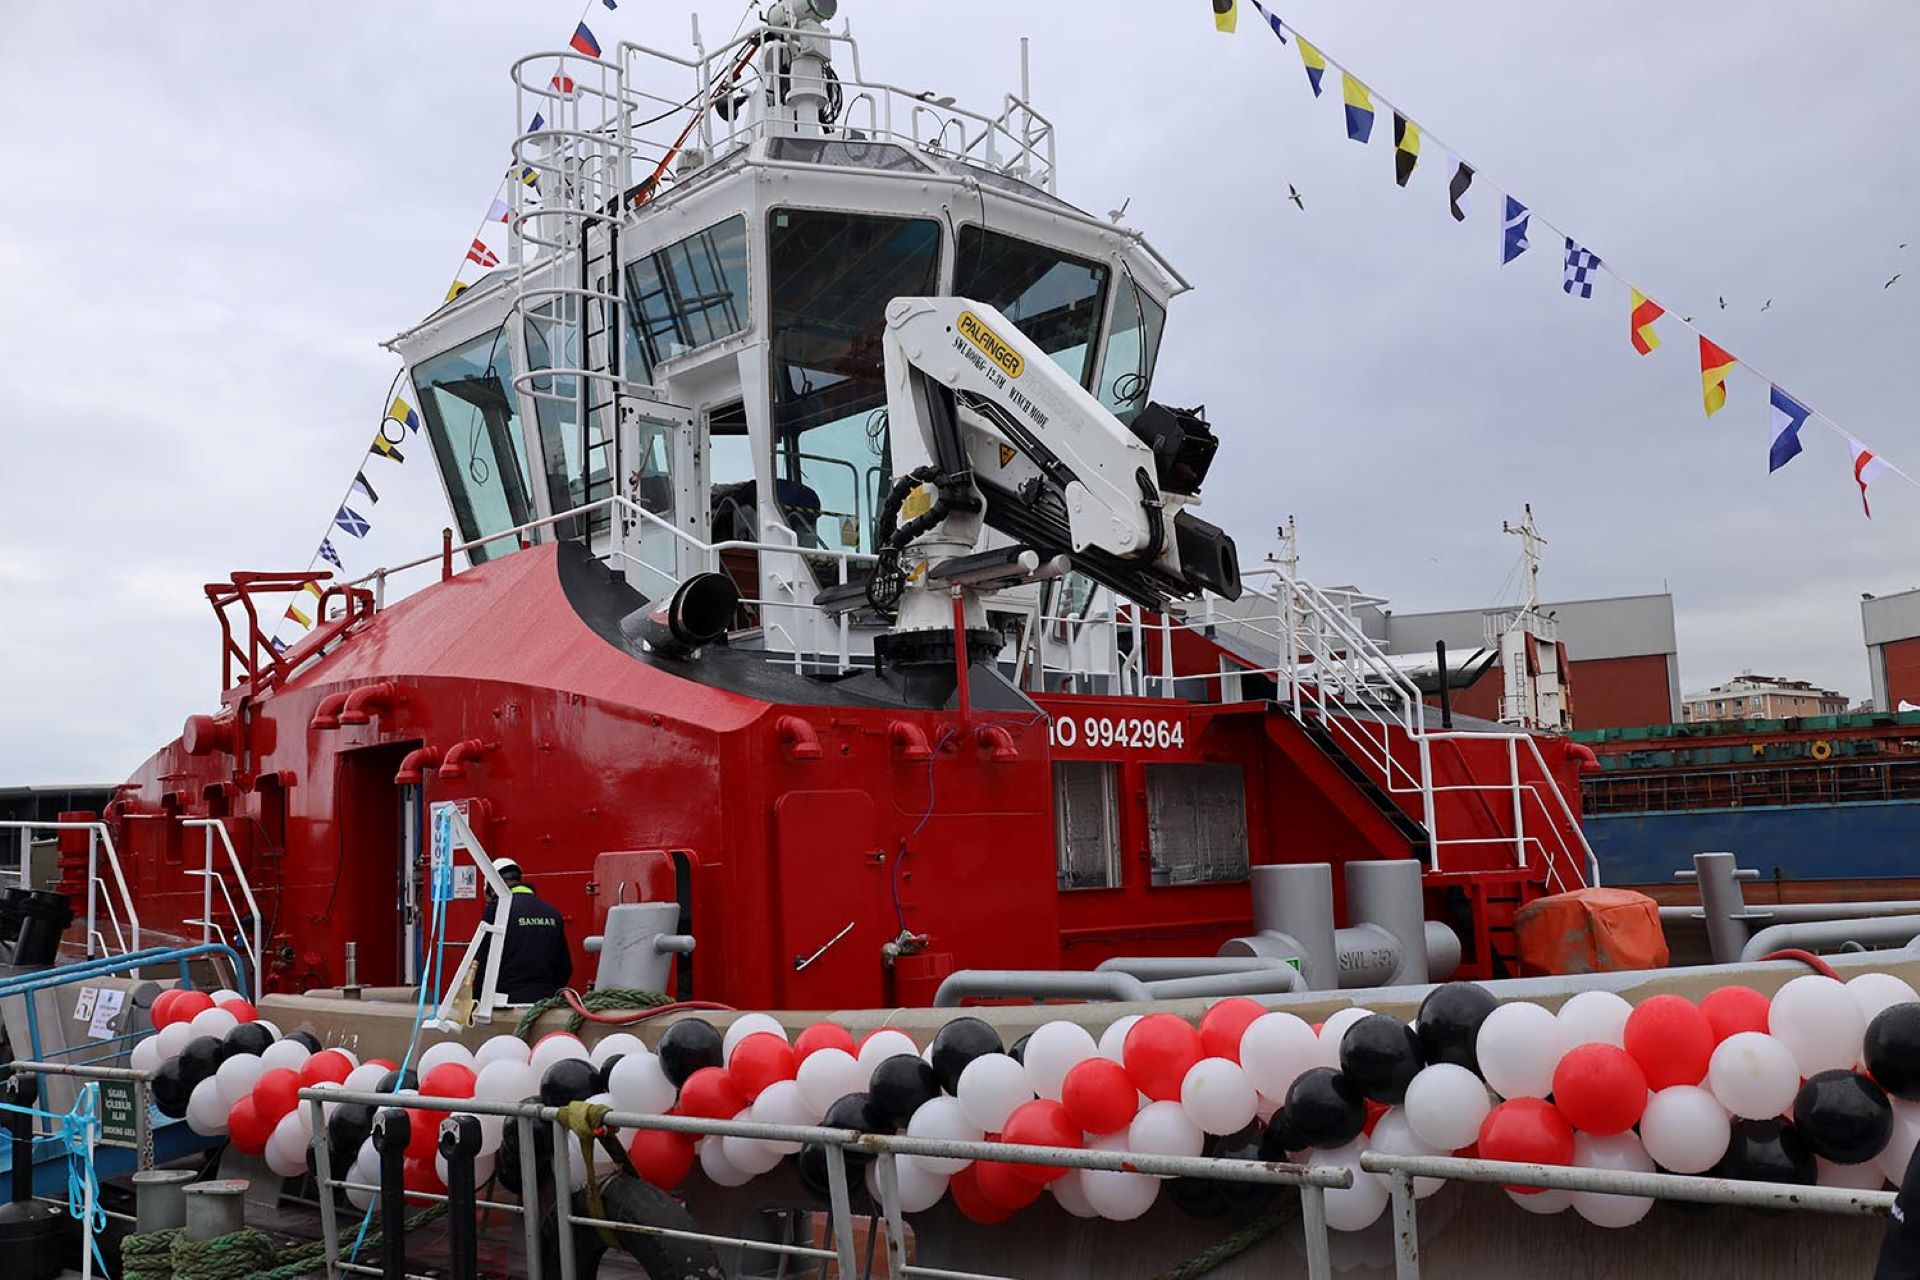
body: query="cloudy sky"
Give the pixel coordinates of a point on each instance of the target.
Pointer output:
(218, 210)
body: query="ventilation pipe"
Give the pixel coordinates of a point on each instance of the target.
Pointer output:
(327, 714)
(697, 614)
(453, 765)
(996, 737)
(415, 763)
(801, 741)
(367, 701)
(909, 740)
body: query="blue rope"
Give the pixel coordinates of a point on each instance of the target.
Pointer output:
(75, 1131)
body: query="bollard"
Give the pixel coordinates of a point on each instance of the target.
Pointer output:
(160, 1200)
(391, 1129)
(217, 1207)
(22, 1091)
(459, 1144)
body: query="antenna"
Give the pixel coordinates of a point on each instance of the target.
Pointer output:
(1530, 544)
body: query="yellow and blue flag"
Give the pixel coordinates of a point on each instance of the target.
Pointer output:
(1311, 59)
(403, 412)
(1359, 108)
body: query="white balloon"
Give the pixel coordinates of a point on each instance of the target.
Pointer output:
(1118, 1197)
(146, 1055)
(827, 1076)
(1541, 1202)
(944, 1120)
(990, 1087)
(273, 1028)
(500, 1049)
(287, 1146)
(1393, 1136)
(1217, 1096)
(1054, 1049)
(506, 1081)
(1819, 1022)
(1894, 1157)
(483, 1163)
(1594, 1017)
(620, 1043)
(171, 1039)
(639, 1084)
(719, 1171)
(290, 1054)
(576, 1167)
(1162, 1129)
(1519, 1045)
(353, 1059)
(215, 1022)
(881, 1045)
(366, 1171)
(493, 1131)
(237, 1075)
(745, 1025)
(1445, 1106)
(919, 1190)
(444, 1051)
(1754, 1075)
(1620, 1152)
(225, 997)
(556, 1047)
(1356, 1207)
(750, 1155)
(1070, 1192)
(1878, 992)
(1333, 1030)
(1854, 1177)
(1685, 1129)
(1275, 1049)
(207, 1110)
(1113, 1040)
(781, 1103)
(363, 1078)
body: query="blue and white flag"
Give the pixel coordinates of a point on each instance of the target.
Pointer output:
(1789, 415)
(331, 556)
(1273, 20)
(1513, 231)
(1582, 266)
(351, 521)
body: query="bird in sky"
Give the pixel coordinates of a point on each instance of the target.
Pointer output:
(1889, 284)
(1765, 305)
(1723, 301)
(1293, 194)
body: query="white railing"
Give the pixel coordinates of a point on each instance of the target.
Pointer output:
(251, 940)
(99, 893)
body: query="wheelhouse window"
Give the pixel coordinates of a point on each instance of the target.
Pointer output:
(556, 409)
(1196, 823)
(1055, 299)
(688, 294)
(831, 276)
(466, 397)
(1133, 345)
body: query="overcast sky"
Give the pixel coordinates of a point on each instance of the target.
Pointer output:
(219, 209)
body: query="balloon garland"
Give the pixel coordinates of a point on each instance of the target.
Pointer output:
(1820, 1083)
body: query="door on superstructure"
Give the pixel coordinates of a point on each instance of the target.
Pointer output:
(366, 902)
(661, 456)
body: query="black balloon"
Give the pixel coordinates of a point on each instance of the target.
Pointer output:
(855, 1111)
(689, 1045)
(1280, 1139)
(1449, 1023)
(1211, 1197)
(1893, 1050)
(1018, 1050)
(350, 1125)
(171, 1090)
(508, 1164)
(568, 1080)
(1381, 1055)
(200, 1059)
(1843, 1116)
(900, 1085)
(249, 1037)
(1767, 1151)
(397, 1081)
(811, 1168)
(308, 1039)
(604, 1072)
(1325, 1108)
(958, 1043)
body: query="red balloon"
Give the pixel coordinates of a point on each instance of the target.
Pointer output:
(418, 1174)
(1099, 1095)
(661, 1158)
(1041, 1123)
(1731, 1010)
(275, 1093)
(423, 1135)
(1600, 1089)
(386, 1063)
(1160, 1049)
(758, 1061)
(821, 1035)
(711, 1094)
(448, 1080)
(186, 1004)
(247, 1129)
(329, 1066)
(1005, 1186)
(242, 1010)
(1222, 1026)
(1526, 1131)
(162, 1011)
(969, 1199)
(1671, 1040)
(1374, 1111)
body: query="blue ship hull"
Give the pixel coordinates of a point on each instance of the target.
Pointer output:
(1868, 841)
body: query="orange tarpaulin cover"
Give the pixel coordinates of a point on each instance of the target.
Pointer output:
(1590, 931)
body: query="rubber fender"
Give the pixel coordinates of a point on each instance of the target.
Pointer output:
(629, 1199)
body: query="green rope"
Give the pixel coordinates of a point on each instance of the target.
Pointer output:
(148, 1255)
(243, 1255)
(238, 1255)
(1231, 1246)
(599, 1001)
(309, 1259)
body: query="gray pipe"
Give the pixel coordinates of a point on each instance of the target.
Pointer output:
(1812, 934)
(1388, 895)
(1160, 968)
(1035, 984)
(1801, 912)
(1259, 982)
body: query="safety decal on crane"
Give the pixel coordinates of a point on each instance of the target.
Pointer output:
(1007, 452)
(991, 344)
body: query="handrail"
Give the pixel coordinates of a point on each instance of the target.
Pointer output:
(255, 946)
(97, 836)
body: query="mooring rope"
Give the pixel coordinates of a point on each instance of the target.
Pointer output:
(246, 1254)
(582, 1005)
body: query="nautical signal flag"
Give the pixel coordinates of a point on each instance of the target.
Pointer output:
(300, 615)
(1513, 231)
(564, 86)
(1273, 20)
(1642, 311)
(385, 447)
(331, 556)
(1460, 189)
(1789, 415)
(1406, 148)
(1715, 364)
(293, 612)
(481, 254)
(583, 41)
(1311, 59)
(277, 645)
(352, 522)
(499, 212)
(360, 485)
(1226, 15)
(402, 412)
(1359, 107)
(455, 289)
(1582, 266)
(1867, 467)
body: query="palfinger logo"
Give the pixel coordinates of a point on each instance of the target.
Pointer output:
(991, 344)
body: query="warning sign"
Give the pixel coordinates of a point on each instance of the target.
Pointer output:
(1006, 455)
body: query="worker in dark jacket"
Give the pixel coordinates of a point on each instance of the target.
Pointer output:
(534, 959)
(1900, 1247)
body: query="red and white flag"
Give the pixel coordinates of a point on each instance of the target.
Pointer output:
(1867, 467)
(483, 255)
(564, 86)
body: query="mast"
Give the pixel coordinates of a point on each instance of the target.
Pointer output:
(1533, 667)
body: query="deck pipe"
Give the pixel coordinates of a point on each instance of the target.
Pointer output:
(214, 1208)
(390, 1133)
(1389, 943)
(1728, 920)
(1811, 935)
(459, 1143)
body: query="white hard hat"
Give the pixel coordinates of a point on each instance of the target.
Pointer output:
(503, 865)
